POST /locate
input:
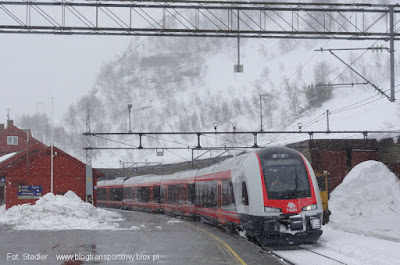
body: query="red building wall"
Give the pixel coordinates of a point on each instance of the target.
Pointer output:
(337, 156)
(334, 162)
(359, 156)
(69, 174)
(22, 139)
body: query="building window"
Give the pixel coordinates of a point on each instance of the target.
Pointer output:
(12, 140)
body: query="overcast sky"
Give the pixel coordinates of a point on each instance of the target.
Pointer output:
(34, 68)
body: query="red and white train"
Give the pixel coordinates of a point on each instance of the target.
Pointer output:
(272, 194)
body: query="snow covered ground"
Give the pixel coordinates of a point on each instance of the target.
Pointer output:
(364, 226)
(57, 212)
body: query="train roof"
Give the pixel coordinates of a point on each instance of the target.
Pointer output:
(269, 151)
(227, 164)
(111, 182)
(143, 179)
(189, 174)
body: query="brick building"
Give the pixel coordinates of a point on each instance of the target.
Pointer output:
(25, 173)
(339, 156)
(13, 139)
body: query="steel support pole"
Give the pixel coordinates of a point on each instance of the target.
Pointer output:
(327, 120)
(89, 171)
(261, 128)
(392, 72)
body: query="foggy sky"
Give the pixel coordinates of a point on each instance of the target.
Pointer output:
(34, 68)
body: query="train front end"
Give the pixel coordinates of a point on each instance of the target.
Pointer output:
(287, 207)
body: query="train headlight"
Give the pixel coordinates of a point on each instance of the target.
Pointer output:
(310, 207)
(272, 210)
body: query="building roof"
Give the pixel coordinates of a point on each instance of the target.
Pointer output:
(7, 156)
(10, 163)
(34, 152)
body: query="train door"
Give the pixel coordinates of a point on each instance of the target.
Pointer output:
(151, 198)
(219, 202)
(185, 202)
(167, 209)
(108, 194)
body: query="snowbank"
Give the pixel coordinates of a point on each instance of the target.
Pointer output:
(57, 212)
(368, 202)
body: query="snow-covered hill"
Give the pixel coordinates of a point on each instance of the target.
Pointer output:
(178, 89)
(188, 84)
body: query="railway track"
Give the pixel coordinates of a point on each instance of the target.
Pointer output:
(295, 255)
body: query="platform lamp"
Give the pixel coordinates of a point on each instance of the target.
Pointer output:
(130, 112)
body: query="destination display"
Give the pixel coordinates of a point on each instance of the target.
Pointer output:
(30, 192)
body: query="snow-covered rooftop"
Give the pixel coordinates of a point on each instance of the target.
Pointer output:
(7, 156)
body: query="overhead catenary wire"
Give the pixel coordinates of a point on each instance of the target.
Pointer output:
(346, 69)
(292, 75)
(111, 140)
(171, 141)
(322, 116)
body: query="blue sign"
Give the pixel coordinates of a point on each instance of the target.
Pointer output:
(30, 192)
(3, 180)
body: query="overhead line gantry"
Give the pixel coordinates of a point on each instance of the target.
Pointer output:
(219, 19)
(201, 19)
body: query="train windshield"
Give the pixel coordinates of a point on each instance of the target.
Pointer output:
(286, 178)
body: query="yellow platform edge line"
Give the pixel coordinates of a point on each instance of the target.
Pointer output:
(222, 242)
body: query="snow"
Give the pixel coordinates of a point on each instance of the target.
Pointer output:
(111, 182)
(174, 221)
(59, 212)
(368, 201)
(7, 156)
(364, 226)
(348, 248)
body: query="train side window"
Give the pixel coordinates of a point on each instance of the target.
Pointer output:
(224, 192)
(162, 194)
(179, 194)
(175, 194)
(199, 194)
(142, 194)
(146, 194)
(101, 194)
(228, 198)
(156, 194)
(190, 190)
(245, 197)
(214, 195)
(116, 194)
